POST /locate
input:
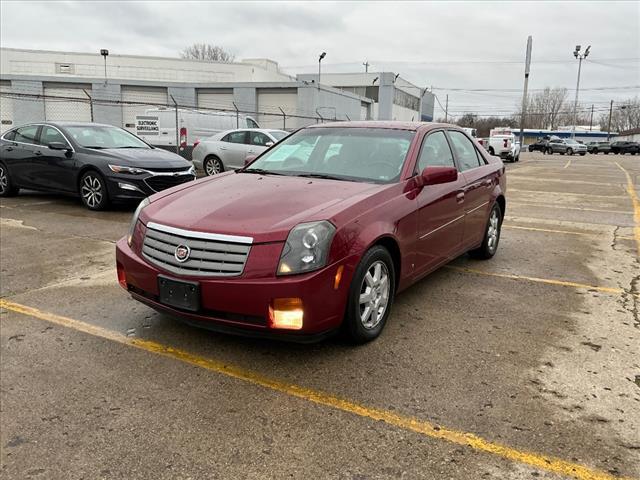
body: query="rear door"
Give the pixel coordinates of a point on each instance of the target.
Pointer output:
(480, 179)
(20, 154)
(57, 167)
(440, 207)
(234, 149)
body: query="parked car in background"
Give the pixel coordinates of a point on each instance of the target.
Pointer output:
(227, 150)
(566, 146)
(158, 127)
(100, 163)
(623, 146)
(539, 146)
(504, 146)
(319, 232)
(599, 147)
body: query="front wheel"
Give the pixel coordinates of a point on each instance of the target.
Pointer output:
(93, 191)
(7, 189)
(370, 296)
(213, 165)
(549, 151)
(569, 151)
(491, 235)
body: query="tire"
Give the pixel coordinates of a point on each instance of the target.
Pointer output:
(582, 154)
(606, 153)
(491, 238)
(7, 188)
(359, 326)
(595, 151)
(530, 149)
(549, 151)
(212, 165)
(93, 190)
(569, 151)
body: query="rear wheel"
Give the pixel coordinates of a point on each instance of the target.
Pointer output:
(370, 296)
(549, 151)
(93, 191)
(595, 151)
(213, 165)
(569, 151)
(7, 189)
(491, 235)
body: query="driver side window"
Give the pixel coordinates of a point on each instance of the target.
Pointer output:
(50, 134)
(435, 152)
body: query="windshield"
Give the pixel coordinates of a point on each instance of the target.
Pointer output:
(103, 136)
(357, 154)
(277, 134)
(572, 142)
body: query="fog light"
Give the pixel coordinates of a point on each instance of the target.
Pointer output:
(122, 277)
(286, 313)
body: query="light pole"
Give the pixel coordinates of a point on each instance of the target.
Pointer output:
(580, 57)
(105, 53)
(322, 55)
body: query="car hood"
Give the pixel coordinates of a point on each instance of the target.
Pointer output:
(144, 157)
(264, 207)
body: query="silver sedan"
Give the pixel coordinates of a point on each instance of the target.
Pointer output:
(228, 150)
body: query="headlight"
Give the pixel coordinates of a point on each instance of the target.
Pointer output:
(131, 170)
(307, 248)
(134, 220)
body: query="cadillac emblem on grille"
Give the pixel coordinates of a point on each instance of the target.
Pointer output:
(182, 253)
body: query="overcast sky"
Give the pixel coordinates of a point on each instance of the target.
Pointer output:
(464, 45)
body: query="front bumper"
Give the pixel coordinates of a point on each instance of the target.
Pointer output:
(124, 187)
(241, 304)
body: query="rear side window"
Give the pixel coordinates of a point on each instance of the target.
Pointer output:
(465, 151)
(27, 134)
(235, 137)
(435, 152)
(10, 135)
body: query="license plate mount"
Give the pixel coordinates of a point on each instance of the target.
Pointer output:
(180, 294)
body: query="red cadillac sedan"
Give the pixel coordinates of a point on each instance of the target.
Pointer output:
(318, 233)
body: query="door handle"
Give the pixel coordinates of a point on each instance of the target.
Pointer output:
(38, 153)
(460, 197)
(9, 149)
(223, 148)
(488, 183)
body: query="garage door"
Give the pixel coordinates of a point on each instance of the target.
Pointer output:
(216, 99)
(145, 97)
(60, 106)
(6, 106)
(270, 101)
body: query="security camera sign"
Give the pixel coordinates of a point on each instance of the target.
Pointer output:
(147, 125)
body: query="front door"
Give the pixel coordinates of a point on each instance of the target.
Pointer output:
(57, 166)
(441, 207)
(234, 149)
(479, 180)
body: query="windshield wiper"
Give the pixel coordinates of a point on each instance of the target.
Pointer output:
(95, 147)
(131, 146)
(321, 175)
(260, 171)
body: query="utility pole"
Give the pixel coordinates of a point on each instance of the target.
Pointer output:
(580, 57)
(446, 109)
(366, 66)
(322, 55)
(609, 127)
(591, 118)
(527, 67)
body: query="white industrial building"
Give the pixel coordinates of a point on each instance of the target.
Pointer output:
(38, 85)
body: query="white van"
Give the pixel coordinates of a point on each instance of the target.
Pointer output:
(158, 127)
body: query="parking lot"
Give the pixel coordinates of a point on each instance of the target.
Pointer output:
(525, 366)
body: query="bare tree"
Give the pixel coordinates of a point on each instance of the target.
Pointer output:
(208, 52)
(625, 116)
(546, 109)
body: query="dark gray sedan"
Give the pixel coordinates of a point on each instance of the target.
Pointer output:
(100, 163)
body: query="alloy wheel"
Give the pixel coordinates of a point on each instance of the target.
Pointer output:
(212, 166)
(91, 191)
(374, 295)
(4, 181)
(493, 230)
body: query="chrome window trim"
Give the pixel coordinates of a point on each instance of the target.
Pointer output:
(200, 235)
(35, 144)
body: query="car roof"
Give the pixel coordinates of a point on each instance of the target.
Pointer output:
(386, 124)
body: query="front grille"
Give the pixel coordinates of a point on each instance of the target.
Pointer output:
(211, 255)
(162, 182)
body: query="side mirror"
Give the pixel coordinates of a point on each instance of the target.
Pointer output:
(58, 146)
(268, 144)
(249, 159)
(437, 176)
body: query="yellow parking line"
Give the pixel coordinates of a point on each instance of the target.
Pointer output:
(565, 232)
(567, 164)
(538, 192)
(423, 427)
(549, 281)
(563, 207)
(636, 205)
